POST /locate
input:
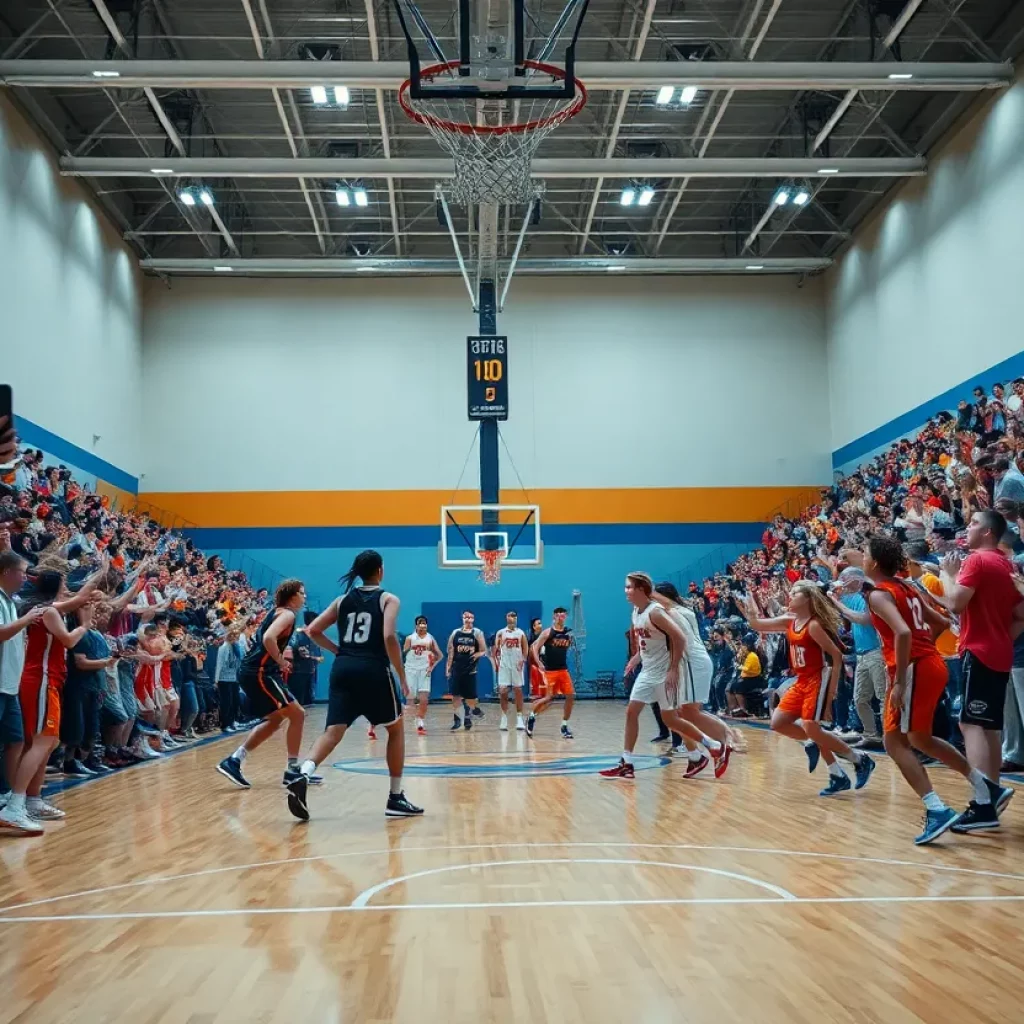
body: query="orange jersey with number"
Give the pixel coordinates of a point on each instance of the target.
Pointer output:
(806, 658)
(911, 608)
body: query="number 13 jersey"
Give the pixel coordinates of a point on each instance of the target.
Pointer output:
(361, 625)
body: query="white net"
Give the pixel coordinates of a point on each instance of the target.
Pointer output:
(492, 140)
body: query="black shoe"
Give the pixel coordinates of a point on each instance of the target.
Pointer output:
(297, 796)
(813, 755)
(96, 766)
(468, 723)
(477, 712)
(1001, 795)
(231, 768)
(977, 818)
(76, 770)
(662, 737)
(836, 784)
(399, 807)
(457, 724)
(864, 767)
(530, 723)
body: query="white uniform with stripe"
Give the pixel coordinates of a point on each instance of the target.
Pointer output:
(417, 663)
(654, 658)
(696, 669)
(510, 654)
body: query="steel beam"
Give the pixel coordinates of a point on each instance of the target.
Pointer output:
(596, 75)
(551, 167)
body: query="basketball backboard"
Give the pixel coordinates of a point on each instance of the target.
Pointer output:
(469, 530)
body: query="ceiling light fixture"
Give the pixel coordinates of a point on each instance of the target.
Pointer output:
(665, 94)
(106, 74)
(224, 270)
(901, 78)
(628, 196)
(186, 198)
(802, 198)
(755, 266)
(342, 196)
(646, 195)
(360, 196)
(206, 197)
(341, 96)
(162, 170)
(828, 170)
(617, 266)
(782, 196)
(318, 94)
(688, 95)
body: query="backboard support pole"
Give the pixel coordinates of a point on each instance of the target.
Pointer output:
(490, 484)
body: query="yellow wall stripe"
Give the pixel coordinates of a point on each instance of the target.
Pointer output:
(422, 508)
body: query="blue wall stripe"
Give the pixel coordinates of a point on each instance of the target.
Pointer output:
(912, 421)
(280, 537)
(39, 437)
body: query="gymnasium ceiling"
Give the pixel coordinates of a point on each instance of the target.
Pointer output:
(286, 219)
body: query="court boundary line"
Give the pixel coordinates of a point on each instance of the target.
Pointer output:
(764, 851)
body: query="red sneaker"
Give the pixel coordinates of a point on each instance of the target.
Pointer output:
(620, 771)
(421, 730)
(371, 733)
(722, 760)
(696, 767)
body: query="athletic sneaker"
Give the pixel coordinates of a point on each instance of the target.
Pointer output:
(231, 768)
(722, 760)
(297, 794)
(503, 723)
(695, 767)
(1001, 795)
(96, 766)
(468, 723)
(370, 733)
(74, 769)
(530, 723)
(290, 775)
(520, 724)
(45, 812)
(566, 732)
(813, 754)
(477, 712)
(421, 730)
(837, 784)
(863, 769)
(662, 737)
(935, 823)
(399, 807)
(53, 770)
(620, 771)
(19, 821)
(457, 723)
(977, 818)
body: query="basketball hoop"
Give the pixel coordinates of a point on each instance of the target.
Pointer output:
(491, 571)
(492, 161)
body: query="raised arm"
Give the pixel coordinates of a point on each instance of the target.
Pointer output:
(861, 618)
(749, 610)
(55, 624)
(955, 596)
(316, 630)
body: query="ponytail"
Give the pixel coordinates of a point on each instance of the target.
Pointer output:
(366, 564)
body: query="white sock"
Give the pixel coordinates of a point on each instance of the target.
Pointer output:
(809, 743)
(34, 803)
(693, 755)
(836, 769)
(396, 785)
(16, 803)
(308, 768)
(565, 723)
(240, 754)
(933, 802)
(713, 745)
(627, 756)
(419, 723)
(293, 762)
(980, 784)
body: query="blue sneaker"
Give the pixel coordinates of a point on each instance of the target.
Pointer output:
(935, 823)
(863, 768)
(530, 723)
(1001, 795)
(837, 784)
(813, 754)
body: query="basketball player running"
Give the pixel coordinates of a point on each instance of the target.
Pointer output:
(510, 653)
(551, 651)
(263, 676)
(421, 655)
(906, 624)
(361, 683)
(466, 647)
(812, 628)
(661, 649)
(695, 674)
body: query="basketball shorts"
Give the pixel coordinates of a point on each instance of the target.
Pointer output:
(805, 698)
(464, 685)
(418, 678)
(510, 673)
(536, 681)
(926, 683)
(362, 688)
(265, 690)
(40, 708)
(558, 682)
(695, 675)
(649, 687)
(984, 693)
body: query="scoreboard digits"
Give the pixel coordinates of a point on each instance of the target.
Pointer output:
(487, 359)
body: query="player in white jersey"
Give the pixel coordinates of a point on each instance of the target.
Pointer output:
(421, 655)
(695, 673)
(510, 653)
(661, 648)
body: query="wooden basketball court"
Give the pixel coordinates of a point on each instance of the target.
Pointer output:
(532, 890)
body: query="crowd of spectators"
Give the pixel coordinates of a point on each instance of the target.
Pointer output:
(924, 490)
(144, 632)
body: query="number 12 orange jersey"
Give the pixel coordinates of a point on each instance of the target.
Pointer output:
(911, 609)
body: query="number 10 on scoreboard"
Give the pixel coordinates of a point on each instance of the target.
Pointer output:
(487, 359)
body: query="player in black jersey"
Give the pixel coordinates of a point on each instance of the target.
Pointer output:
(263, 676)
(466, 646)
(551, 649)
(360, 681)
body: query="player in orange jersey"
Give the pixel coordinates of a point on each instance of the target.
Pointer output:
(812, 629)
(551, 649)
(907, 625)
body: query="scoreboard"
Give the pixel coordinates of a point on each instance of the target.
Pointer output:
(487, 372)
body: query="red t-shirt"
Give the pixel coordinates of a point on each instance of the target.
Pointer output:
(985, 622)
